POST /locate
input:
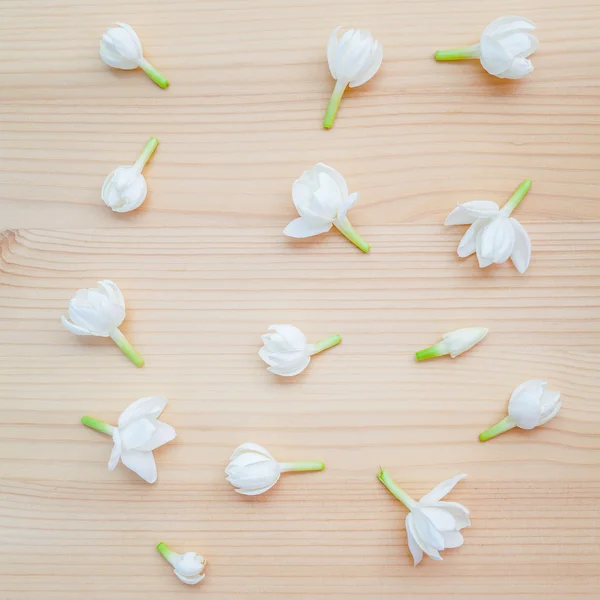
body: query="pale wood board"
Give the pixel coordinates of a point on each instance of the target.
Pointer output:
(205, 270)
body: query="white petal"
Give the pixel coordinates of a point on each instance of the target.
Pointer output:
(520, 67)
(519, 43)
(255, 492)
(290, 369)
(150, 407)
(495, 59)
(115, 454)
(302, 193)
(524, 406)
(350, 201)
(551, 404)
(469, 212)
(551, 416)
(440, 490)
(254, 476)
(521, 253)
(508, 24)
(441, 519)
(190, 580)
(461, 340)
(75, 329)
(460, 513)
(375, 63)
(337, 177)
(468, 242)
(331, 48)
(137, 433)
(301, 228)
(112, 291)
(498, 240)
(163, 434)
(141, 463)
(428, 538)
(415, 549)
(453, 539)
(251, 447)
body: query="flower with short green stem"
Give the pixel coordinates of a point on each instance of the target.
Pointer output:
(454, 343)
(530, 405)
(188, 566)
(287, 352)
(137, 433)
(125, 188)
(503, 49)
(353, 59)
(432, 525)
(493, 234)
(321, 198)
(99, 312)
(121, 48)
(252, 470)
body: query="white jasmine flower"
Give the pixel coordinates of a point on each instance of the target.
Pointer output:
(432, 525)
(121, 49)
(138, 433)
(503, 49)
(454, 343)
(322, 201)
(125, 188)
(494, 236)
(252, 470)
(531, 405)
(287, 352)
(353, 59)
(188, 567)
(99, 311)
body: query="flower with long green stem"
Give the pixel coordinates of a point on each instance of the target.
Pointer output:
(138, 432)
(353, 59)
(188, 566)
(99, 312)
(493, 234)
(125, 188)
(530, 405)
(454, 343)
(321, 198)
(432, 525)
(252, 470)
(503, 49)
(121, 48)
(287, 352)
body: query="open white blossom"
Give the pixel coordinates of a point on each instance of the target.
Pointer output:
(454, 343)
(503, 49)
(432, 525)
(125, 188)
(353, 59)
(137, 434)
(493, 234)
(530, 405)
(99, 311)
(188, 567)
(321, 198)
(252, 470)
(121, 48)
(287, 352)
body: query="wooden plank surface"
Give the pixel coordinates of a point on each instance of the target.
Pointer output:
(205, 270)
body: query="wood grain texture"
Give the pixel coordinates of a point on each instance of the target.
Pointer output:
(205, 270)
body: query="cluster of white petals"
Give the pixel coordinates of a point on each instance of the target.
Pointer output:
(188, 567)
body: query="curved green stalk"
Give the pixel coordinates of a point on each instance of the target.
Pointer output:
(301, 466)
(458, 53)
(395, 489)
(505, 425)
(154, 74)
(100, 426)
(432, 352)
(325, 344)
(346, 229)
(516, 198)
(147, 152)
(334, 103)
(129, 351)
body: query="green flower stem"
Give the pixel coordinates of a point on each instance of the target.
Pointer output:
(334, 103)
(395, 489)
(147, 152)
(432, 352)
(458, 53)
(154, 74)
(129, 351)
(100, 426)
(505, 425)
(167, 553)
(346, 229)
(301, 466)
(516, 198)
(329, 342)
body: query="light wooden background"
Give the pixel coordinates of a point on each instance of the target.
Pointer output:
(205, 270)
